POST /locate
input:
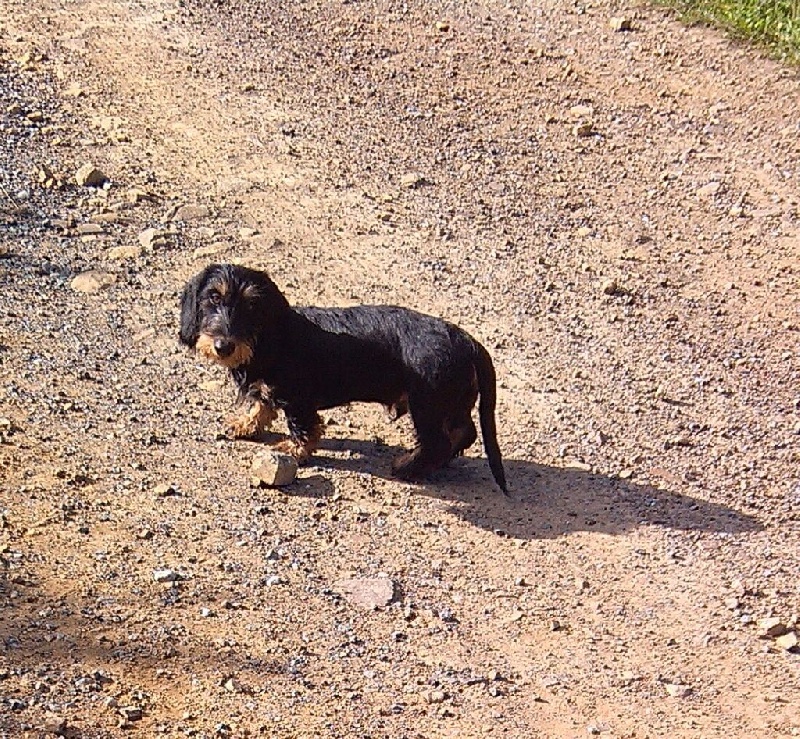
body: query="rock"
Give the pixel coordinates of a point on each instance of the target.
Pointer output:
(164, 490)
(167, 575)
(104, 218)
(442, 26)
(610, 287)
(153, 237)
(787, 641)
(435, 697)
(412, 180)
(131, 251)
(131, 713)
(584, 231)
(709, 190)
(273, 469)
(583, 129)
(85, 229)
(772, 627)
(92, 281)
(581, 111)
(89, 176)
(368, 592)
(676, 690)
(191, 213)
(620, 23)
(245, 232)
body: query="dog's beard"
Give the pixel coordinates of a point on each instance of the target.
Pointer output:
(242, 352)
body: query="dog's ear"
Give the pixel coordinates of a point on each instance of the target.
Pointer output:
(190, 307)
(271, 300)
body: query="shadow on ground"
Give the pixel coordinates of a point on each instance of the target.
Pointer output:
(544, 501)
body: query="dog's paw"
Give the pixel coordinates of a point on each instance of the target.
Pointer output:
(242, 427)
(294, 449)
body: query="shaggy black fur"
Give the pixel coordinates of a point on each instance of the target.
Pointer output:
(302, 360)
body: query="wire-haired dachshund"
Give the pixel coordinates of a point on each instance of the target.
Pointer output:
(302, 360)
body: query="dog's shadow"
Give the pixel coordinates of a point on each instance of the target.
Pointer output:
(543, 501)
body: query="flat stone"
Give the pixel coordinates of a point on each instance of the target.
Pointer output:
(620, 23)
(772, 627)
(273, 469)
(191, 213)
(677, 690)
(368, 592)
(130, 251)
(92, 281)
(85, 229)
(788, 641)
(153, 237)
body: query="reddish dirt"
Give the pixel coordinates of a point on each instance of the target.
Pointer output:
(613, 214)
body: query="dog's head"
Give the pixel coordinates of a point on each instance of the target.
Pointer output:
(226, 309)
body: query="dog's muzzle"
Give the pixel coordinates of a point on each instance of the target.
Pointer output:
(228, 352)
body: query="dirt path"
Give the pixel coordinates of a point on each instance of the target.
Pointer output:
(614, 214)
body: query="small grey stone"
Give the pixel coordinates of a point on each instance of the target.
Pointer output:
(368, 592)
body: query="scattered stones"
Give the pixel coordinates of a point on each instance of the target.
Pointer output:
(89, 176)
(620, 23)
(191, 213)
(92, 281)
(273, 469)
(368, 592)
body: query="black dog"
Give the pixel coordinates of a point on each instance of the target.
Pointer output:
(302, 360)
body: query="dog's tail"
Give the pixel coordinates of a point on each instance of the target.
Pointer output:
(487, 386)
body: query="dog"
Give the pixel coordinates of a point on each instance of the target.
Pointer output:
(303, 359)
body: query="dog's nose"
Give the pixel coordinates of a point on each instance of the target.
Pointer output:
(223, 347)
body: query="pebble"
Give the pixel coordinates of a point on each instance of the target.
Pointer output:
(153, 237)
(89, 228)
(167, 575)
(191, 213)
(92, 281)
(709, 190)
(620, 23)
(677, 690)
(583, 129)
(273, 469)
(246, 232)
(771, 627)
(130, 251)
(368, 592)
(412, 180)
(787, 641)
(131, 713)
(89, 176)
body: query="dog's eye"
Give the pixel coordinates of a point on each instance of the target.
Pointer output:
(214, 298)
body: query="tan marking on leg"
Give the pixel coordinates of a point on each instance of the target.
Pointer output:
(257, 415)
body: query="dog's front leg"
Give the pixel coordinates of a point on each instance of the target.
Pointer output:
(305, 431)
(256, 412)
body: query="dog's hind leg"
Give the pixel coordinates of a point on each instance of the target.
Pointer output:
(433, 449)
(462, 433)
(305, 431)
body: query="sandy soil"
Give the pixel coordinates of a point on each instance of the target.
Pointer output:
(613, 213)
